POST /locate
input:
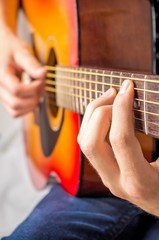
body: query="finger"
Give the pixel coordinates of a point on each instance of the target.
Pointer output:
(17, 104)
(125, 145)
(33, 89)
(11, 83)
(15, 113)
(105, 99)
(94, 145)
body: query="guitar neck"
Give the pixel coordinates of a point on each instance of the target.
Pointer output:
(75, 87)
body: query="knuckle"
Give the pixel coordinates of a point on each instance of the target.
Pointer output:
(119, 140)
(15, 90)
(134, 190)
(90, 107)
(133, 187)
(15, 104)
(114, 188)
(88, 148)
(116, 192)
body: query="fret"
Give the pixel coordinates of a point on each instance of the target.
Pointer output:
(106, 81)
(81, 94)
(76, 87)
(150, 117)
(96, 84)
(76, 93)
(85, 93)
(103, 81)
(71, 91)
(63, 90)
(90, 85)
(153, 128)
(145, 110)
(111, 79)
(121, 74)
(66, 90)
(132, 75)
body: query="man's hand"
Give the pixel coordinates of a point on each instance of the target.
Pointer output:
(16, 57)
(108, 140)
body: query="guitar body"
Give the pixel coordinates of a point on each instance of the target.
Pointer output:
(109, 34)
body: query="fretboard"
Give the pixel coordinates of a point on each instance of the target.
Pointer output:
(75, 87)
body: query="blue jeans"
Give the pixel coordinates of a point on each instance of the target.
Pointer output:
(60, 216)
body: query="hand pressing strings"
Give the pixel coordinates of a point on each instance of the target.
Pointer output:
(119, 160)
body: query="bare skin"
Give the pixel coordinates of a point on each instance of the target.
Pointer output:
(16, 57)
(123, 170)
(119, 161)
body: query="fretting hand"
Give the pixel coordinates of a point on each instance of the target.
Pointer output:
(119, 160)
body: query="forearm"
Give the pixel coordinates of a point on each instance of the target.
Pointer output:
(8, 15)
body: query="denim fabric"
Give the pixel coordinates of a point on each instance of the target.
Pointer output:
(152, 231)
(148, 228)
(60, 216)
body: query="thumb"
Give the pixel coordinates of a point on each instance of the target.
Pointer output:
(26, 60)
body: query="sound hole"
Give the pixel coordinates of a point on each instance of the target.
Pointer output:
(51, 116)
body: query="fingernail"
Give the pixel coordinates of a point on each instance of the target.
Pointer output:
(125, 85)
(108, 92)
(39, 70)
(26, 79)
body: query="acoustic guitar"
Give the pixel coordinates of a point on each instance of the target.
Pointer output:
(87, 47)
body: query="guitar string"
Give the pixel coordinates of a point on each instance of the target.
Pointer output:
(83, 97)
(53, 76)
(87, 71)
(53, 104)
(54, 83)
(79, 96)
(135, 118)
